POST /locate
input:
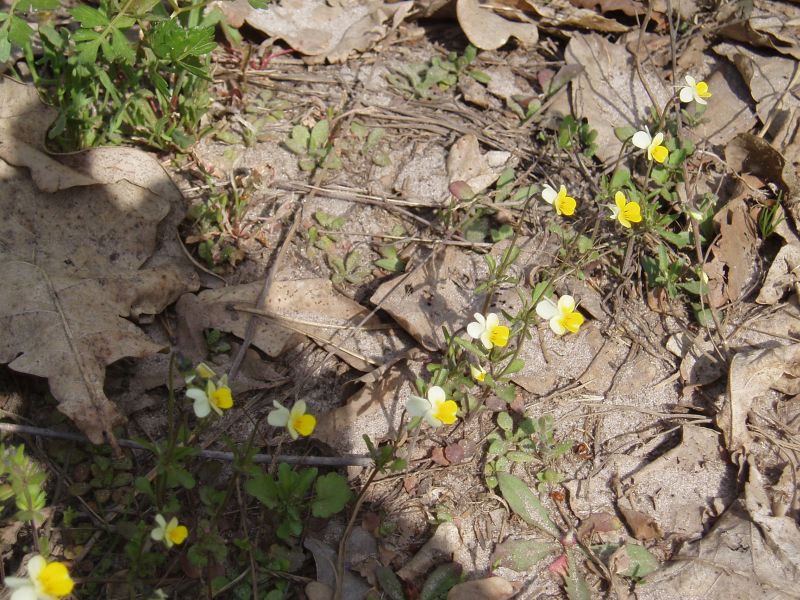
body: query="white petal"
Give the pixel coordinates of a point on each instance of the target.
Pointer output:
(641, 139)
(16, 582)
(686, 94)
(546, 308)
(196, 394)
(298, 410)
(549, 194)
(432, 421)
(699, 99)
(417, 406)
(26, 593)
(278, 417)
(157, 534)
(487, 343)
(614, 211)
(35, 566)
(659, 137)
(436, 395)
(161, 521)
(557, 327)
(202, 407)
(690, 80)
(474, 330)
(566, 304)
(292, 431)
(492, 321)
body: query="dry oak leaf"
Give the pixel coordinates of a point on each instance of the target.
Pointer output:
(487, 30)
(557, 14)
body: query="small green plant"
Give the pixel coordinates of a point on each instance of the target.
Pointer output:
(439, 74)
(369, 140)
(577, 136)
(22, 479)
(436, 585)
(287, 496)
(769, 217)
(314, 147)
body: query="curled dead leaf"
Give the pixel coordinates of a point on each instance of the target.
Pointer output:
(488, 31)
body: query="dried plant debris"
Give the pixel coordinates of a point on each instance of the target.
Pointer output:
(75, 239)
(487, 30)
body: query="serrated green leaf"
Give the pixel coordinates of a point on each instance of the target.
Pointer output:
(19, 32)
(89, 17)
(440, 581)
(522, 555)
(121, 48)
(264, 489)
(331, 495)
(87, 52)
(524, 503)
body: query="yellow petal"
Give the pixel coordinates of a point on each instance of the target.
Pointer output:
(55, 580)
(222, 397)
(660, 154)
(566, 205)
(619, 200)
(446, 412)
(178, 534)
(499, 335)
(304, 424)
(702, 89)
(572, 322)
(632, 212)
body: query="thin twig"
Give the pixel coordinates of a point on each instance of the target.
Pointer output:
(347, 460)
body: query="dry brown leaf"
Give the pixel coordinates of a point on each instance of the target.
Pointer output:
(71, 262)
(752, 155)
(466, 163)
(782, 275)
(767, 25)
(747, 554)
(487, 30)
(642, 526)
(325, 561)
(608, 93)
(734, 269)
(306, 307)
(437, 293)
(491, 588)
(597, 523)
(557, 14)
(752, 374)
(773, 85)
(331, 32)
(442, 545)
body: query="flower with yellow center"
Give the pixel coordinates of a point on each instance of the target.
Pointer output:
(296, 420)
(564, 205)
(652, 144)
(562, 314)
(488, 330)
(45, 581)
(170, 533)
(436, 409)
(478, 373)
(217, 397)
(625, 212)
(694, 90)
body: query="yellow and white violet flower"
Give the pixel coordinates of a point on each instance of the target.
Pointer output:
(296, 420)
(625, 212)
(170, 533)
(562, 203)
(45, 581)
(436, 409)
(561, 314)
(488, 330)
(217, 397)
(694, 90)
(478, 373)
(652, 144)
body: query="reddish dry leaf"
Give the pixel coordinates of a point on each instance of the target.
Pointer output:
(642, 526)
(437, 456)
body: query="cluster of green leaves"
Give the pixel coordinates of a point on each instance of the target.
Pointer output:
(436, 586)
(314, 146)
(577, 136)
(369, 143)
(264, 111)
(529, 441)
(289, 499)
(346, 267)
(130, 71)
(22, 479)
(418, 80)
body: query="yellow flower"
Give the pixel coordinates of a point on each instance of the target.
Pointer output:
(170, 533)
(489, 330)
(217, 397)
(694, 90)
(296, 420)
(478, 373)
(436, 409)
(564, 205)
(45, 581)
(655, 150)
(625, 212)
(562, 314)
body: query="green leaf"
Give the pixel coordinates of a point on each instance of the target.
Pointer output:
(87, 52)
(439, 583)
(523, 502)
(480, 76)
(121, 48)
(393, 265)
(332, 494)
(642, 563)
(520, 457)
(620, 178)
(27, 5)
(575, 582)
(89, 17)
(504, 421)
(515, 366)
(359, 129)
(506, 177)
(522, 555)
(19, 32)
(319, 136)
(264, 489)
(374, 137)
(469, 347)
(624, 133)
(5, 49)
(390, 584)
